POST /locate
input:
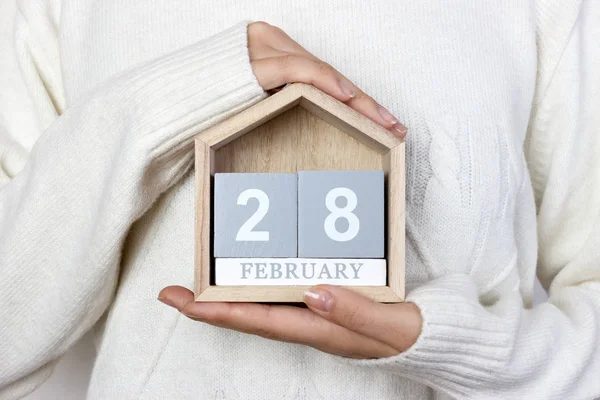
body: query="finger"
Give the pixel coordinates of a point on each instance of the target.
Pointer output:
(262, 51)
(283, 323)
(397, 325)
(273, 72)
(367, 106)
(276, 71)
(363, 103)
(266, 40)
(269, 42)
(288, 324)
(176, 296)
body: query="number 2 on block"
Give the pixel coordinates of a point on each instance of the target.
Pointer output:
(246, 234)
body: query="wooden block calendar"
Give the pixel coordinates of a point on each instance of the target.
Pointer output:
(297, 190)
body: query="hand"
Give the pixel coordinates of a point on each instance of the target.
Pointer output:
(277, 59)
(337, 321)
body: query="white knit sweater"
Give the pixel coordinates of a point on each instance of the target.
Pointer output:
(98, 107)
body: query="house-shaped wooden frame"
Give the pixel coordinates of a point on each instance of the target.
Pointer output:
(298, 128)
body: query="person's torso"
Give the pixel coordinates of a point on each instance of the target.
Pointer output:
(461, 76)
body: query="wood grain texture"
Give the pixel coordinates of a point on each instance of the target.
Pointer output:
(347, 119)
(229, 130)
(202, 217)
(285, 294)
(298, 128)
(393, 165)
(317, 102)
(296, 140)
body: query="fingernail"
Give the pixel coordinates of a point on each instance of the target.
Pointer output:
(196, 315)
(400, 130)
(319, 299)
(385, 114)
(166, 300)
(346, 89)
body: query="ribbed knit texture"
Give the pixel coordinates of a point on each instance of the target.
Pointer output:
(503, 181)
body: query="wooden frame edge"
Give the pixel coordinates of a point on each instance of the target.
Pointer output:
(260, 113)
(347, 119)
(285, 294)
(202, 239)
(394, 167)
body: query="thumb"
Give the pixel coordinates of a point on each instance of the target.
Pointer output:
(176, 296)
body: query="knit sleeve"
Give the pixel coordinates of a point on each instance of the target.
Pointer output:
(471, 350)
(67, 203)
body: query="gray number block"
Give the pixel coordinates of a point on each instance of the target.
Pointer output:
(341, 214)
(255, 215)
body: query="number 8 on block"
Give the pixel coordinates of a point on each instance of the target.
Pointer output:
(322, 214)
(255, 215)
(340, 214)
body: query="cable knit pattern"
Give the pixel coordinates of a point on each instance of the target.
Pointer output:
(100, 102)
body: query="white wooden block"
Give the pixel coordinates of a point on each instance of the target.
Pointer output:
(299, 271)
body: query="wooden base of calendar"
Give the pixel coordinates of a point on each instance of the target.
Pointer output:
(298, 128)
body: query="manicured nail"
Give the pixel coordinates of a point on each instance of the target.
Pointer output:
(385, 114)
(319, 299)
(400, 130)
(166, 300)
(346, 89)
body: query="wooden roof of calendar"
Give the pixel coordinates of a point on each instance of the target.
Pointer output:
(313, 100)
